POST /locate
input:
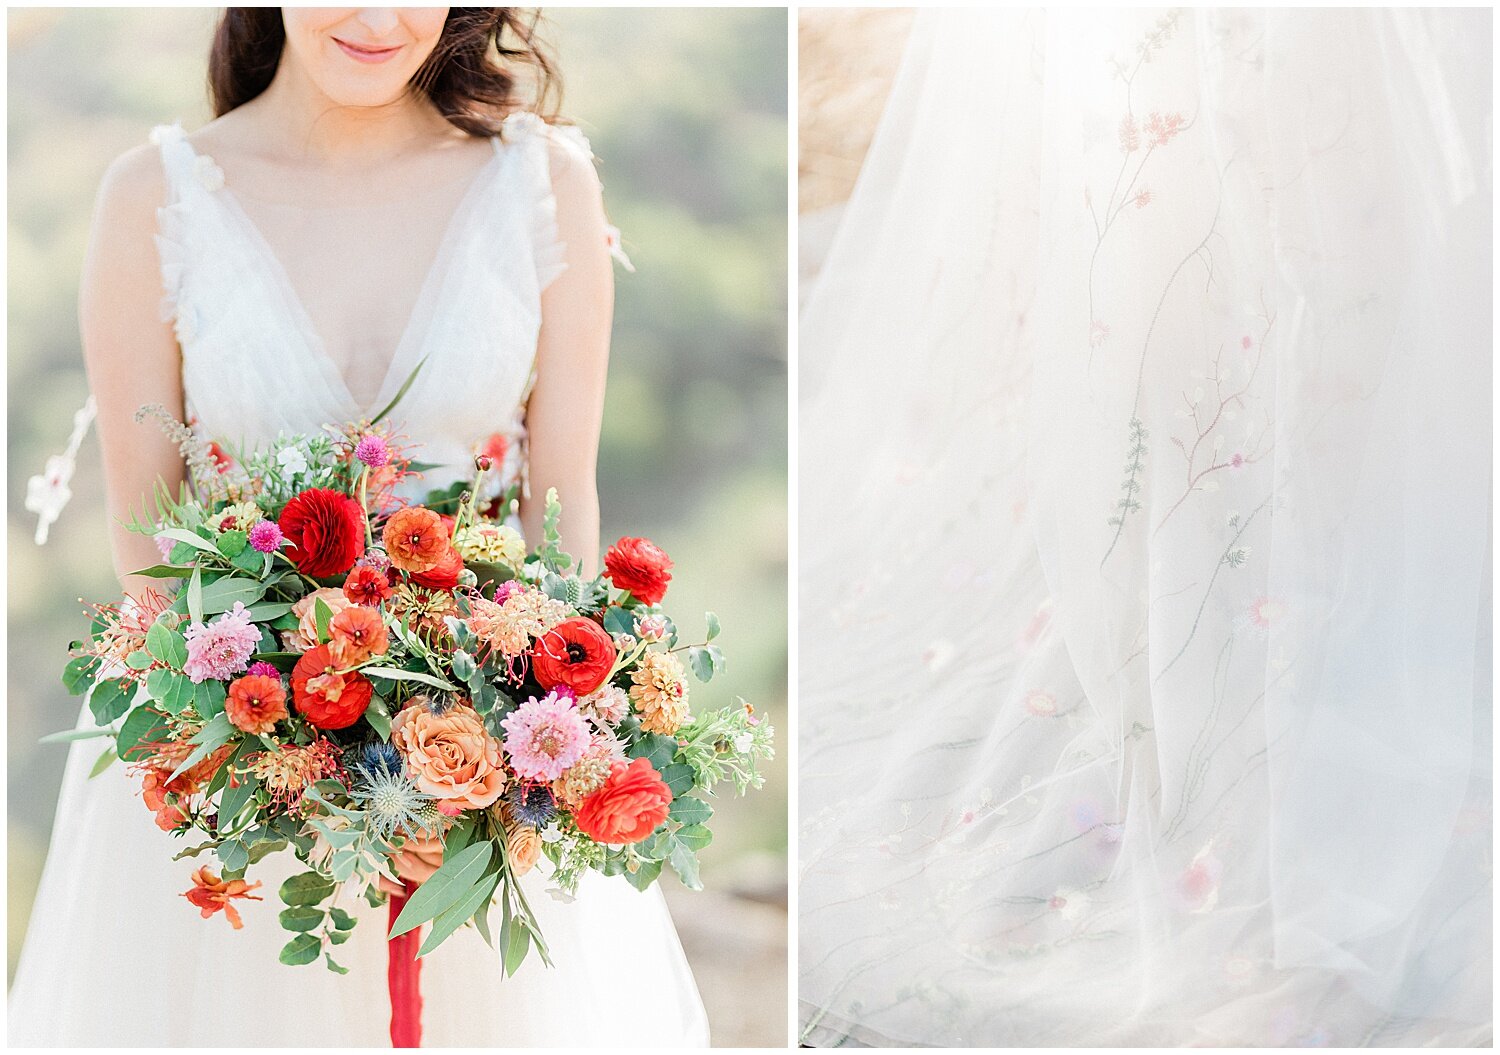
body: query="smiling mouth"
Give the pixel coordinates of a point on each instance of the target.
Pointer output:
(366, 53)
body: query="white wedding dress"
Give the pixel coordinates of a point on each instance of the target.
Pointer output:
(114, 954)
(1145, 531)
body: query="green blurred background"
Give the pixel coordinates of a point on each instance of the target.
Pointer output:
(687, 111)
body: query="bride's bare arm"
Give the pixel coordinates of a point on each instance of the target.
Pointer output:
(567, 404)
(132, 356)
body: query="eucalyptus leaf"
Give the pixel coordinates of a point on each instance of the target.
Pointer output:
(103, 762)
(210, 738)
(378, 714)
(195, 596)
(222, 594)
(67, 736)
(189, 538)
(445, 888)
(397, 674)
(456, 915)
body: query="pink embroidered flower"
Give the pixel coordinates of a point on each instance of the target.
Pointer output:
(1068, 904)
(1198, 886)
(1098, 333)
(1130, 137)
(1041, 704)
(1238, 461)
(372, 450)
(1161, 128)
(1265, 612)
(1142, 198)
(266, 536)
(1032, 633)
(222, 648)
(1245, 342)
(263, 669)
(545, 737)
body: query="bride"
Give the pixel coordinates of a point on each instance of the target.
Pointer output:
(1145, 693)
(372, 195)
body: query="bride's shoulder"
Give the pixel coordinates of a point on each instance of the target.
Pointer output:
(570, 159)
(133, 186)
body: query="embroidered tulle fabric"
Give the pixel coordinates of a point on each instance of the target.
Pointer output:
(1145, 690)
(114, 954)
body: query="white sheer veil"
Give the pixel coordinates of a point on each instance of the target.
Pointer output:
(1145, 498)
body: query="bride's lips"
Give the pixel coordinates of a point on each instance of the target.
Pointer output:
(366, 53)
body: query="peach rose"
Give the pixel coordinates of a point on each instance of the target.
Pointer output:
(450, 756)
(523, 844)
(306, 611)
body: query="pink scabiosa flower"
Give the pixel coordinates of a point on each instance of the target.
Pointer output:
(545, 737)
(373, 451)
(163, 546)
(266, 536)
(222, 648)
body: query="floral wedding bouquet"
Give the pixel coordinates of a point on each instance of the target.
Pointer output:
(402, 696)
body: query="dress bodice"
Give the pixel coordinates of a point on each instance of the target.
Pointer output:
(254, 365)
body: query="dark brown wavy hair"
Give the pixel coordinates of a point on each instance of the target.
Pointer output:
(488, 62)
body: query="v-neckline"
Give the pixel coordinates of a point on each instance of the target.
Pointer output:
(404, 356)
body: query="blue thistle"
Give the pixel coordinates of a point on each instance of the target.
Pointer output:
(380, 757)
(391, 801)
(532, 804)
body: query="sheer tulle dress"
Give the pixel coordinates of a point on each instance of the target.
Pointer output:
(1145, 533)
(114, 955)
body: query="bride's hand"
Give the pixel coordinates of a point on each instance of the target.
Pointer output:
(417, 860)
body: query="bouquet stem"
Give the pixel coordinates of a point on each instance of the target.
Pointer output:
(404, 978)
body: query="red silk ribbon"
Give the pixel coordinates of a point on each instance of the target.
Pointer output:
(404, 977)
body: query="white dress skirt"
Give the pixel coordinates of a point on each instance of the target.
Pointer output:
(1145, 539)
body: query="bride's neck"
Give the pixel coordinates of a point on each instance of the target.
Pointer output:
(314, 125)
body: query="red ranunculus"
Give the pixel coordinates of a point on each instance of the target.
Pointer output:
(640, 566)
(577, 653)
(627, 809)
(325, 697)
(445, 575)
(326, 530)
(367, 586)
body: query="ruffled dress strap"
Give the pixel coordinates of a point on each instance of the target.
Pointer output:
(191, 179)
(527, 133)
